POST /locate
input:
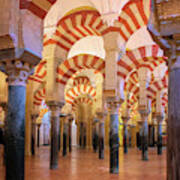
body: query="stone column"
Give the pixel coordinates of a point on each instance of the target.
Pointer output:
(70, 134)
(38, 135)
(33, 133)
(18, 73)
(125, 144)
(139, 135)
(101, 117)
(144, 76)
(55, 111)
(114, 104)
(144, 136)
(84, 137)
(95, 135)
(65, 135)
(159, 118)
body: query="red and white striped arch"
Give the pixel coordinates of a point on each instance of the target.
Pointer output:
(38, 7)
(74, 27)
(135, 14)
(81, 100)
(81, 80)
(165, 99)
(82, 89)
(40, 72)
(158, 85)
(39, 96)
(76, 63)
(147, 56)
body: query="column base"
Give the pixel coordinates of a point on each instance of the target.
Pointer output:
(54, 166)
(114, 170)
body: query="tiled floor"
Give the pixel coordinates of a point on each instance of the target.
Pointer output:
(85, 165)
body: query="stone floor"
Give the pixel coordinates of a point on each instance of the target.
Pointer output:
(84, 165)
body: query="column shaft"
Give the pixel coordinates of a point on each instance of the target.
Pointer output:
(114, 143)
(101, 140)
(14, 133)
(54, 142)
(33, 135)
(65, 136)
(144, 141)
(125, 139)
(159, 143)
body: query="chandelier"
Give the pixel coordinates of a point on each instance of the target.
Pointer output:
(109, 9)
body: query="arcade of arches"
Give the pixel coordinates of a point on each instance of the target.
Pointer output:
(88, 81)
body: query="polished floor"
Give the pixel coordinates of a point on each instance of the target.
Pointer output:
(85, 165)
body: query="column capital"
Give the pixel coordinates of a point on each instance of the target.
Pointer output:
(144, 114)
(114, 104)
(17, 72)
(125, 119)
(101, 116)
(4, 105)
(55, 107)
(33, 118)
(159, 117)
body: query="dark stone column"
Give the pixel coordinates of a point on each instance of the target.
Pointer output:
(84, 136)
(173, 147)
(159, 118)
(33, 133)
(144, 136)
(95, 135)
(65, 135)
(81, 134)
(114, 105)
(125, 144)
(101, 140)
(59, 137)
(101, 116)
(55, 111)
(70, 134)
(18, 73)
(38, 135)
(14, 133)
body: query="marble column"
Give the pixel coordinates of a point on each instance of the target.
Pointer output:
(125, 141)
(33, 133)
(70, 134)
(80, 134)
(18, 73)
(38, 135)
(159, 118)
(55, 111)
(139, 135)
(65, 135)
(114, 104)
(95, 135)
(101, 117)
(84, 136)
(144, 136)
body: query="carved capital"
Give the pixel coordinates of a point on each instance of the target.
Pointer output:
(55, 107)
(144, 114)
(114, 104)
(4, 106)
(125, 119)
(159, 117)
(33, 118)
(101, 116)
(18, 72)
